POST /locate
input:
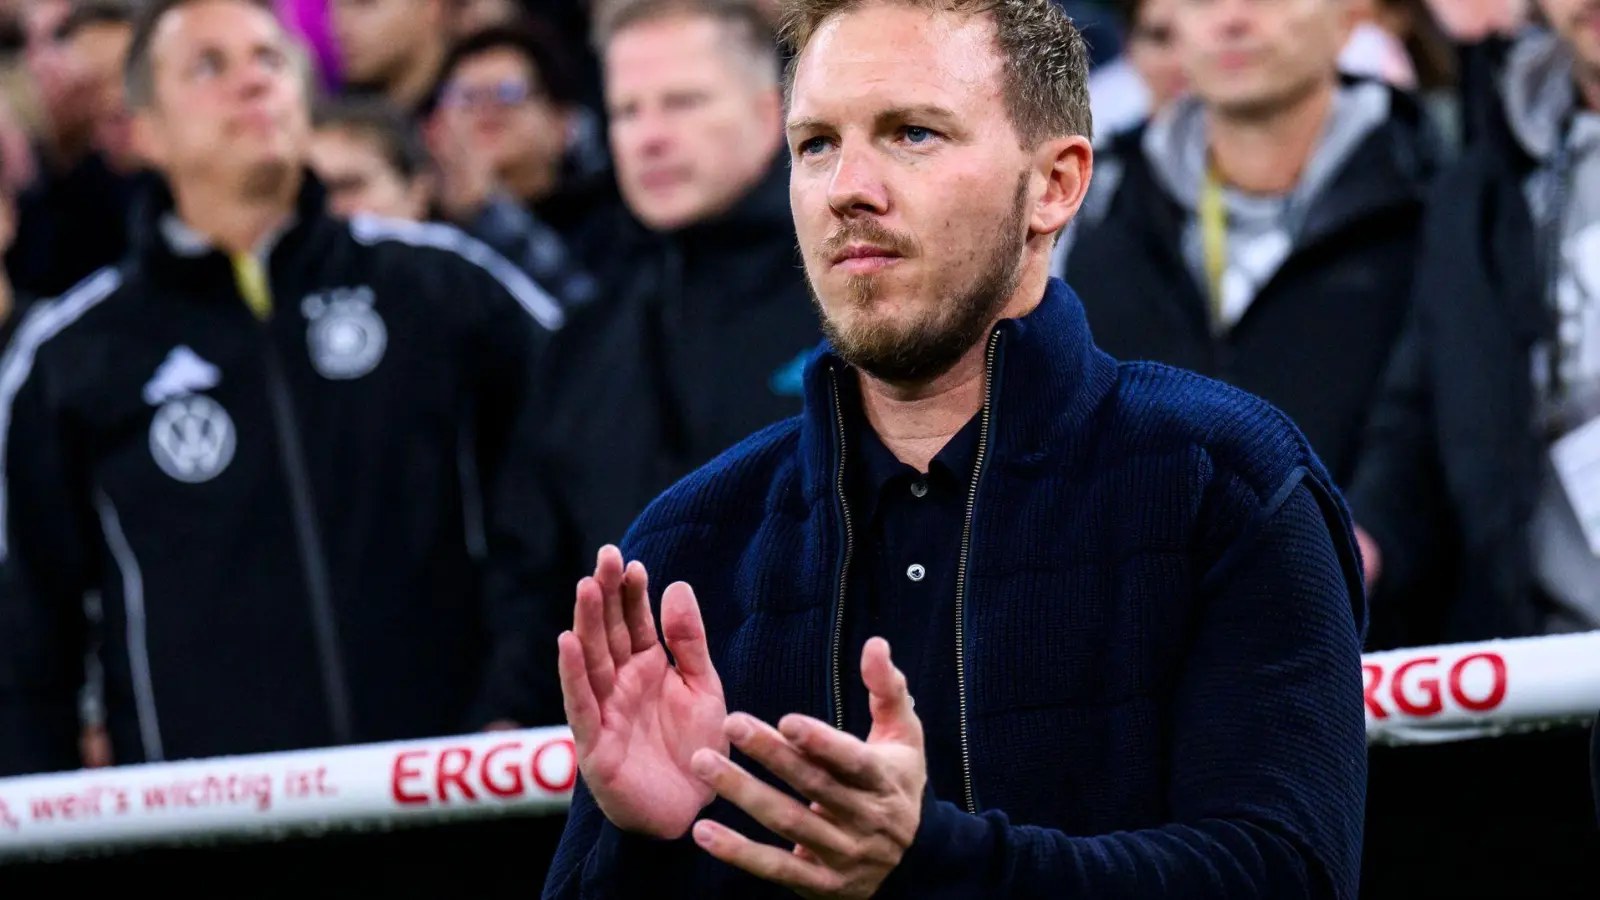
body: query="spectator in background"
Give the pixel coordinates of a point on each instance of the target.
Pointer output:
(392, 48)
(704, 319)
(1461, 481)
(289, 453)
(506, 120)
(1146, 78)
(73, 218)
(1263, 231)
(1152, 48)
(371, 160)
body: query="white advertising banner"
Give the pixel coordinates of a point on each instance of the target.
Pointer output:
(476, 775)
(1462, 691)
(1413, 696)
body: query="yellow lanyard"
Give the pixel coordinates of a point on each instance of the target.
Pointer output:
(1214, 237)
(252, 283)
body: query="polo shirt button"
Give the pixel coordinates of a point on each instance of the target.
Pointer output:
(916, 572)
(919, 489)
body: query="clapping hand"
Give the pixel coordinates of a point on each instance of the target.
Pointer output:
(866, 796)
(636, 719)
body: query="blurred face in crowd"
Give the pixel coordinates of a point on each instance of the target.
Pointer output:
(229, 104)
(496, 102)
(62, 89)
(98, 51)
(380, 39)
(695, 121)
(1153, 50)
(918, 207)
(360, 179)
(1578, 23)
(1252, 58)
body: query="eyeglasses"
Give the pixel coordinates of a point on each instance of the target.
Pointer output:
(504, 94)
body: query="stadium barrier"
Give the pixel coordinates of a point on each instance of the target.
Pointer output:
(1421, 695)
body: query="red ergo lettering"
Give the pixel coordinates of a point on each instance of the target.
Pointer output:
(1415, 689)
(505, 771)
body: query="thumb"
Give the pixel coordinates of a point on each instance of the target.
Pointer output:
(893, 715)
(685, 634)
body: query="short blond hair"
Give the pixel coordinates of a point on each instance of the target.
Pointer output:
(1046, 65)
(748, 30)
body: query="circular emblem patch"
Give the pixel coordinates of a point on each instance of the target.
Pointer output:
(192, 438)
(346, 341)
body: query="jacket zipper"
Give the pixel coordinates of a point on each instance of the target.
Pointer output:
(969, 798)
(844, 568)
(313, 563)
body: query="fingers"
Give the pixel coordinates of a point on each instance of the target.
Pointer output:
(888, 696)
(577, 696)
(590, 627)
(1371, 557)
(608, 572)
(845, 756)
(636, 608)
(777, 811)
(764, 744)
(685, 634)
(767, 863)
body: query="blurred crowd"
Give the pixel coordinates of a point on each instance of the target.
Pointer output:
(1381, 215)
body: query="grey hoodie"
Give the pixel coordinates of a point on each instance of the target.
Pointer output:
(1261, 229)
(1540, 99)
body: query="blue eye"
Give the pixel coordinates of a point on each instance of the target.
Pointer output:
(811, 145)
(918, 135)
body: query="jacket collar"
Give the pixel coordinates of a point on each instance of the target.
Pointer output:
(1049, 379)
(165, 249)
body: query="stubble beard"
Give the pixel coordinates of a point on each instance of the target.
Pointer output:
(929, 347)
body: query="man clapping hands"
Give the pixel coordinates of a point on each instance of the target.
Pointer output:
(653, 745)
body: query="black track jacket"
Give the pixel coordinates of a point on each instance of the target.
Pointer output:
(301, 525)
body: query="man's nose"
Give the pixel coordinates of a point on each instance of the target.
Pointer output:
(857, 186)
(254, 78)
(652, 134)
(1231, 18)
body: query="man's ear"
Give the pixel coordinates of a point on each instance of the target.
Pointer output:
(1065, 165)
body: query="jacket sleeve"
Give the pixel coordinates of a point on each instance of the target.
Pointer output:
(1266, 749)
(512, 324)
(43, 577)
(599, 861)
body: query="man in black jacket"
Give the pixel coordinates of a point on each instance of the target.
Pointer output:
(698, 338)
(281, 447)
(1262, 231)
(1473, 473)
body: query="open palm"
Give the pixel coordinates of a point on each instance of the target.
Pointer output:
(635, 718)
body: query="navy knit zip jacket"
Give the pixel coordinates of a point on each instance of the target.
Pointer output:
(1161, 627)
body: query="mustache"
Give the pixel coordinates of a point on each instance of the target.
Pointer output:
(867, 231)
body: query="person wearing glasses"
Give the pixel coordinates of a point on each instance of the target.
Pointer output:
(506, 120)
